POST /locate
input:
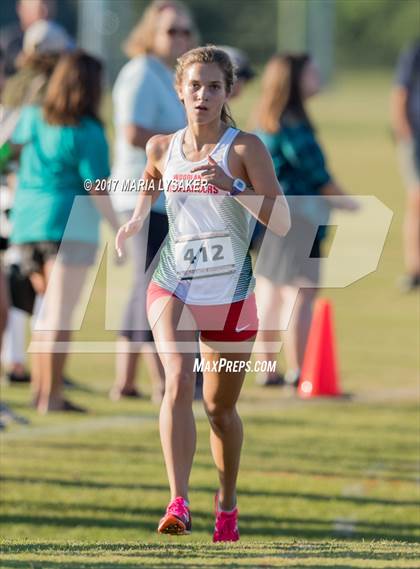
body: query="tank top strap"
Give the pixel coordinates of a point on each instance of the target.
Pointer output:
(174, 148)
(221, 152)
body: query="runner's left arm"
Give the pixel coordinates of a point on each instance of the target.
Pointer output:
(271, 209)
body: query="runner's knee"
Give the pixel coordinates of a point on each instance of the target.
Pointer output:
(220, 417)
(179, 385)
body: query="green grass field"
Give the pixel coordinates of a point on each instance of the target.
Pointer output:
(323, 483)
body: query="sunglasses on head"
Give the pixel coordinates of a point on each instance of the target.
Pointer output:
(185, 32)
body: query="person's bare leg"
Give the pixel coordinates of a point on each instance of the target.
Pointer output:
(269, 305)
(411, 232)
(220, 394)
(52, 396)
(36, 370)
(39, 284)
(64, 285)
(125, 366)
(156, 374)
(296, 336)
(176, 421)
(135, 318)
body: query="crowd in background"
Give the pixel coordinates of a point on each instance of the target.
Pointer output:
(52, 140)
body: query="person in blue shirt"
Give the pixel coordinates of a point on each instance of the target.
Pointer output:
(405, 116)
(287, 267)
(62, 143)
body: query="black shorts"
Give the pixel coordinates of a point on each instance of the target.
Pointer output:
(4, 243)
(158, 230)
(36, 254)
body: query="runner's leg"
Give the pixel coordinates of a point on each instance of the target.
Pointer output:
(220, 394)
(177, 425)
(296, 336)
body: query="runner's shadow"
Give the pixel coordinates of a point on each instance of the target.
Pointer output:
(251, 492)
(255, 526)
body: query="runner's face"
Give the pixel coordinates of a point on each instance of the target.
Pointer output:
(203, 92)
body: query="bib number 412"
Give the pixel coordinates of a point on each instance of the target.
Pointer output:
(201, 257)
(216, 254)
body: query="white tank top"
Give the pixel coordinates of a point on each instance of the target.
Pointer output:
(205, 259)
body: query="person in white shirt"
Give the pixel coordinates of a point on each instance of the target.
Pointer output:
(145, 104)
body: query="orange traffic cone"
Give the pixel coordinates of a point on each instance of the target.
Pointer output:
(319, 375)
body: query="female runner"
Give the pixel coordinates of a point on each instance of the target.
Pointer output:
(214, 177)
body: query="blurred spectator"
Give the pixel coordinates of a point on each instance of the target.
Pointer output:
(243, 75)
(287, 268)
(13, 352)
(405, 114)
(145, 104)
(43, 43)
(5, 412)
(243, 70)
(57, 249)
(11, 36)
(4, 297)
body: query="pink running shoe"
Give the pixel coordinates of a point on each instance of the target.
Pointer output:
(177, 519)
(226, 526)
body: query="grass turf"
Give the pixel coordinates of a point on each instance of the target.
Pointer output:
(323, 483)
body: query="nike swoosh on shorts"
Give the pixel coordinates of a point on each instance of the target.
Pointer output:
(242, 328)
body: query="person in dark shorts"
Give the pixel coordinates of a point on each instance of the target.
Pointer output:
(287, 267)
(405, 115)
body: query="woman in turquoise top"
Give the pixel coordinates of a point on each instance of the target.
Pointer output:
(55, 221)
(288, 267)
